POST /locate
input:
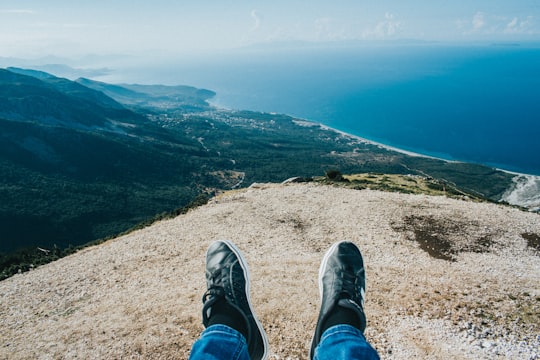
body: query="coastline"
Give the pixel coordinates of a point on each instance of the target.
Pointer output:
(524, 192)
(382, 145)
(304, 122)
(310, 123)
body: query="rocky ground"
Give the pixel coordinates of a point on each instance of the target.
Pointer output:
(446, 278)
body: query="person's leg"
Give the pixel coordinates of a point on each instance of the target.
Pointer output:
(232, 329)
(344, 342)
(220, 342)
(339, 331)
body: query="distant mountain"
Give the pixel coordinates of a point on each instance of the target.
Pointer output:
(62, 70)
(56, 101)
(41, 75)
(158, 97)
(55, 67)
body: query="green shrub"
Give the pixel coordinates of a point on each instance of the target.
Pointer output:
(334, 175)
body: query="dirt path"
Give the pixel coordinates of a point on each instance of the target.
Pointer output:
(474, 295)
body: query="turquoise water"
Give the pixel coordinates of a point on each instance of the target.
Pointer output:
(470, 103)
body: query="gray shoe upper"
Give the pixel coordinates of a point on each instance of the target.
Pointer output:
(342, 282)
(227, 276)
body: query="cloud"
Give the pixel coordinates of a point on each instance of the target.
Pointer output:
(17, 11)
(485, 24)
(388, 27)
(517, 26)
(477, 24)
(512, 24)
(329, 29)
(256, 20)
(478, 21)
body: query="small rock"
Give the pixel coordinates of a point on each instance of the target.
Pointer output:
(487, 344)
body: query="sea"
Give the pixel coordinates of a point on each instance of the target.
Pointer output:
(476, 102)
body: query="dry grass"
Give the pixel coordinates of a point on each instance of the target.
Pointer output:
(139, 296)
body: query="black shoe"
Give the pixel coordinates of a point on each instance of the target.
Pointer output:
(342, 284)
(227, 278)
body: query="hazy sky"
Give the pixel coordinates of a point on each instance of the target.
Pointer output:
(33, 28)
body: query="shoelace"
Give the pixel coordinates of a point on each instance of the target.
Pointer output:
(214, 293)
(216, 278)
(349, 287)
(210, 297)
(350, 298)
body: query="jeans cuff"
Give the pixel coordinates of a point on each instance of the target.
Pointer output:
(224, 329)
(342, 329)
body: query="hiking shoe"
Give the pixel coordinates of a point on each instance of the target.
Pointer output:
(227, 278)
(341, 284)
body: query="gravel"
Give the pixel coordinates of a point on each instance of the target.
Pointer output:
(139, 296)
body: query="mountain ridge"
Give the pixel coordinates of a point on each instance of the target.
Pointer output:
(57, 101)
(156, 97)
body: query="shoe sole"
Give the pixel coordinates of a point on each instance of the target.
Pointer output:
(245, 269)
(322, 269)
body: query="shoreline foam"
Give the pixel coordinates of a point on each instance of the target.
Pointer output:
(304, 122)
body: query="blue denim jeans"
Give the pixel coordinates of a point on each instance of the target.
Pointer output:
(344, 342)
(220, 342)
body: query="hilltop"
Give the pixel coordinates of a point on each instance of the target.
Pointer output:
(446, 278)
